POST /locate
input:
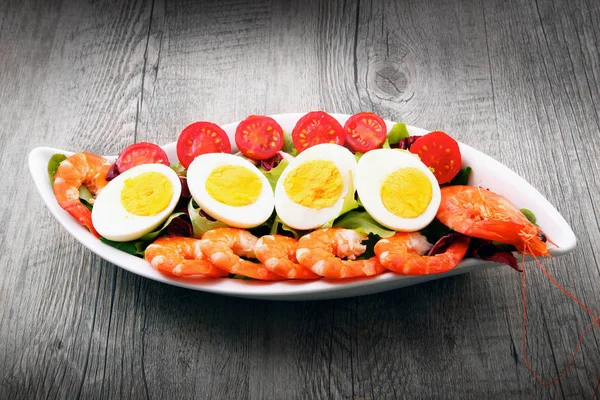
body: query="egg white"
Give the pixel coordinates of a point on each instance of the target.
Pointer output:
(372, 170)
(300, 217)
(113, 222)
(240, 217)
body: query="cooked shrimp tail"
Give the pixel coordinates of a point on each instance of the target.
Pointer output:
(322, 251)
(278, 254)
(403, 254)
(78, 170)
(180, 256)
(224, 247)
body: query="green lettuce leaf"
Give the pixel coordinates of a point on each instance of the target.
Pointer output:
(362, 222)
(278, 223)
(350, 203)
(530, 215)
(138, 247)
(274, 174)
(397, 133)
(53, 164)
(435, 230)
(200, 224)
(462, 178)
(135, 247)
(288, 144)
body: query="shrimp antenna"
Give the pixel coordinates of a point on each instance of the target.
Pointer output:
(596, 320)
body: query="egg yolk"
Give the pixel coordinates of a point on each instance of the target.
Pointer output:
(314, 184)
(406, 192)
(147, 193)
(233, 185)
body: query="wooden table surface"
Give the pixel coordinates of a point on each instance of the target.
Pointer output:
(518, 80)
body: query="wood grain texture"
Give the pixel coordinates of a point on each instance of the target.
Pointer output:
(519, 80)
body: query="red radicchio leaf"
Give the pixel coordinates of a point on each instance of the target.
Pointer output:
(180, 226)
(485, 250)
(271, 163)
(185, 190)
(112, 173)
(405, 143)
(205, 215)
(443, 243)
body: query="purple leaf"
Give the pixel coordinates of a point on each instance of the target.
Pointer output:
(205, 215)
(405, 143)
(112, 173)
(271, 163)
(180, 226)
(185, 190)
(443, 243)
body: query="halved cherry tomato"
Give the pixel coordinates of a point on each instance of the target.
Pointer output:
(317, 127)
(141, 153)
(440, 152)
(365, 131)
(259, 137)
(201, 138)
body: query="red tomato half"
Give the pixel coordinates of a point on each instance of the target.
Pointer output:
(315, 128)
(365, 131)
(141, 153)
(201, 138)
(440, 152)
(259, 137)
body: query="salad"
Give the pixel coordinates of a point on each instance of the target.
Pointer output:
(323, 200)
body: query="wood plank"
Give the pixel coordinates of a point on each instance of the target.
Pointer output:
(100, 75)
(548, 129)
(71, 78)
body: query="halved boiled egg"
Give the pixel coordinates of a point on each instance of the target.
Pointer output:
(136, 202)
(312, 189)
(397, 189)
(230, 189)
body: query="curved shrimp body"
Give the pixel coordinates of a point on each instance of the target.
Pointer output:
(401, 253)
(479, 213)
(322, 251)
(77, 170)
(224, 247)
(180, 256)
(278, 254)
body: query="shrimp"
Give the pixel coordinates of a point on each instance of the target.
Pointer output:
(80, 169)
(482, 214)
(180, 256)
(322, 251)
(224, 247)
(278, 254)
(402, 253)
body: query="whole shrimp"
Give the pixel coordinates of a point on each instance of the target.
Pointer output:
(180, 256)
(278, 254)
(322, 251)
(224, 247)
(479, 213)
(402, 253)
(77, 170)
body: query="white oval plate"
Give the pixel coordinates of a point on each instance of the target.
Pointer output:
(487, 173)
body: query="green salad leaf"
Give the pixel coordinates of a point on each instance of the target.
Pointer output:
(279, 224)
(435, 230)
(362, 222)
(350, 202)
(138, 247)
(462, 178)
(274, 174)
(288, 144)
(53, 164)
(397, 133)
(135, 247)
(200, 224)
(530, 215)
